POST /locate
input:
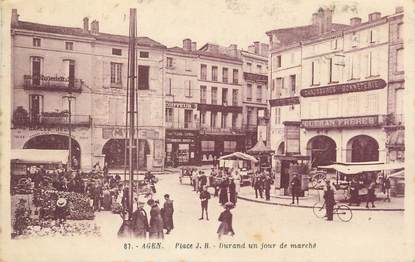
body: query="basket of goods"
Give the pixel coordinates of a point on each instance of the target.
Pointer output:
(78, 204)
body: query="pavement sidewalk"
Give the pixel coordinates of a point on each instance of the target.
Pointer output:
(247, 193)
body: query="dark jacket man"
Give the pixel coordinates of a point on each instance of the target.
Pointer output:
(156, 221)
(329, 202)
(140, 222)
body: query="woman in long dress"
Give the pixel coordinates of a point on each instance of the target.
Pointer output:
(225, 218)
(223, 193)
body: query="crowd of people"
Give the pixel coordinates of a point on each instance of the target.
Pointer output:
(138, 225)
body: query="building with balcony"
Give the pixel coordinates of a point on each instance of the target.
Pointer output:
(220, 106)
(181, 100)
(255, 92)
(51, 63)
(343, 106)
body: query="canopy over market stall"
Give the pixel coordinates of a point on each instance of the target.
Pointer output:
(239, 156)
(356, 168)
(39, 156)
(235, 159)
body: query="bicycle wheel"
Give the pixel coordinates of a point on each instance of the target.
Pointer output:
(319, 210)
(344, 213)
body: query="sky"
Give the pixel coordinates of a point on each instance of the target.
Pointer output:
(223, 22)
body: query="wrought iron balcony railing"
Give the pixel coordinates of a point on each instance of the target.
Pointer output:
(61, 84)
(54, 120)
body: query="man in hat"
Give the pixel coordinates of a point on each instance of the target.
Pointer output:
(295, 188)
(156, 221)
(61, 210)
(204, 199)
(140, 221)
(329, 201)
(168, 211)
(267, 187)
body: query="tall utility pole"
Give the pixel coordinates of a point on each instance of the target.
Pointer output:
(131, 101)
(70, 97)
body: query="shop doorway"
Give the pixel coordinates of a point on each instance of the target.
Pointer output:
(115, 153)
(54, 142)
(362, 148)
(322, 150)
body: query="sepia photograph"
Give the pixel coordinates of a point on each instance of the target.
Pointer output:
(218, 130)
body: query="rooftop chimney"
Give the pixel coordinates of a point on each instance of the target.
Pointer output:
(355, 21)
(233, 50)
(323, 19)
(194, 46)
(399, 9)
(251, 48)
(86, 24)
(314, 19)
(256, 45)
(374, 16)
(187, 44)
(14, 18)
(95, 27)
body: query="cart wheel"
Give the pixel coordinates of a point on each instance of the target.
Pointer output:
(344, 213)
(319, 210)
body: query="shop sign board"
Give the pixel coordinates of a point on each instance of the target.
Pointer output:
(292, 139)
(120, 132)
(285, 101)
(344, 122)
(180, 105)
(344, 88)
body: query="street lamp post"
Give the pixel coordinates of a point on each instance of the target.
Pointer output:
(70, 97)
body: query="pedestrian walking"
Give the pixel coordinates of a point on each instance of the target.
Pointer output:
(267, 187)
(370, 198)
(194, 179)
(223, 192)
(204, 200)
(140, 222)
(232, 192)
(295, 188)
(168, 211)
(258, 186)
(203, 181)
(225, 218)
(329, 201)
(156, 221)
(386, 188)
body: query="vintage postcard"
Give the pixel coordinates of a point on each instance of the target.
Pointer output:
(217, 130)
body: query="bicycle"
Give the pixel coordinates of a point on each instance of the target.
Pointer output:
(343, 212)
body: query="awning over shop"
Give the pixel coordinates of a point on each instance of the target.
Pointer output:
(39, 156)
(356, 168)
(397, 139)
(239, 156)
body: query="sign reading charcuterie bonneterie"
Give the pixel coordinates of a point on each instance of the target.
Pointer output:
(344, 88)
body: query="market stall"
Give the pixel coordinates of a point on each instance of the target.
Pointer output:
(363, 173)
(25, 162)
(241, 161)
